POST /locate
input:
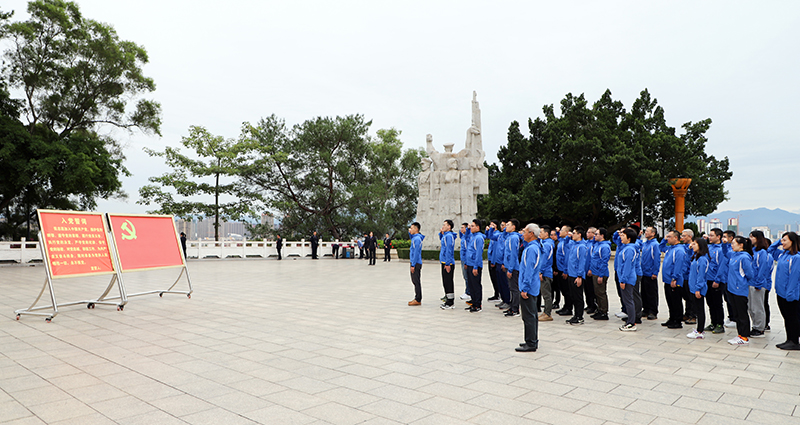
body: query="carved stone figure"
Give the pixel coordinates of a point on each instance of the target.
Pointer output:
(450, 183)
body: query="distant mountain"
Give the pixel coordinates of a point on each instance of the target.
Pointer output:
(775, 219)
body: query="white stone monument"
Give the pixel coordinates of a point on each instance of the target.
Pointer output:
(449, 183)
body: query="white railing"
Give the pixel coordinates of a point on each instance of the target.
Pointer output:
(26, 251)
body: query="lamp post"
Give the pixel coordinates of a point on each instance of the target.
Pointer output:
(679, 189)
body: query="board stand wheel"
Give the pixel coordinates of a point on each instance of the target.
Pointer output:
(161, 294)
(18, 317)
(48, 319)
(120, 307)
(90, 305)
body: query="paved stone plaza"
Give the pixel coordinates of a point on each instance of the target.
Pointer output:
(333, 341)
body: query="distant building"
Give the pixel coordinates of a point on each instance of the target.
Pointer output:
(268, 220)
(702, 226)
(715, 223)
(733, 225)
(765, 229)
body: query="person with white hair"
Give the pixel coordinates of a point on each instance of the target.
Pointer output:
(529, 286)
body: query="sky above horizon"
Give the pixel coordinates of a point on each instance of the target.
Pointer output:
(413, 66)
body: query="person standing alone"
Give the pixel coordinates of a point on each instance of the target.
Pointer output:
(279, 245)
(314, 245)
(415, 255)
(387, 248)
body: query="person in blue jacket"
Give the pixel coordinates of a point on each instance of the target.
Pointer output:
(510, 267)
(491, 230)
(637, 293)
(447, 246)
(601, 254)
(740, 276)
(672, 275)
(722, 277)
(629, 256)
(763, 265)
(588, 289)
(529, 287)
(689, 316)
(577, 258)
(560, 279)
(415, 255)
(786, 251)
(464, 235)
(716, 290)
(547, 248)
(698, 284)
(498, 258)
(475, 265)
(651, 263)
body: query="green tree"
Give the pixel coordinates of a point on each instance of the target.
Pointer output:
(76, 76)
(593, 165)
(328, 175)
(218, 163)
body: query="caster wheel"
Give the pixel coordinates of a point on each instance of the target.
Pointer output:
(188, 295)
(18, 317)
(90, 305)
(161, 294)
(48, 319)
(120, 307)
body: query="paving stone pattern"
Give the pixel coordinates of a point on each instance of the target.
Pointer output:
(333, 341)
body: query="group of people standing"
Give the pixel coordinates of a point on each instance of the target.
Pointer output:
(535, 270)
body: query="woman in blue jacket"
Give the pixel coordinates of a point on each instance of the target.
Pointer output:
(698, 284)
(757, 301)
(740, 277)
(787, 286)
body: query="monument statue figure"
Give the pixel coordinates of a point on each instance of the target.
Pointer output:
(449, 183)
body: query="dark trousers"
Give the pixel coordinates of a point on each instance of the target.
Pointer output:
(530, 319)
(279, 253)
(563, 287)
(790, 310)
(360, 253)
(674, 298)
(513, 285)
(447, 283)
(600, 284)
(466, 278)
(649, 296)
(588, 291)
(335, 251)
(714, 301)
(766, 307)
(689, 298)
(415, 279)
(314, 251)
(619, 292)
(700, 312)
(372, 253)
(387, 254)
(493, 278)
(502, 284)
(739, 304)
(729, 305)
(554, 288)
(475, 287)
(637, 299)
(627, 302)
(577, 296)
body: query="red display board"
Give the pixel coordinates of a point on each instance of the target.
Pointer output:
(146, 242)
(75, 243)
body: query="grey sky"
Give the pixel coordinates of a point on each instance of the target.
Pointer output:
(413, 65)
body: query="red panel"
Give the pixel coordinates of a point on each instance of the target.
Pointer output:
(146, 242)
(75, 243)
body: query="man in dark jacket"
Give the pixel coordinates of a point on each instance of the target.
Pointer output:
(372, 247)
(279, 245)
(314, 246)
(387, 248)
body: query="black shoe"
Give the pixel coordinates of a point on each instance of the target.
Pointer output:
(793, 346)
(511, 313)
(638, 321)
(525, 348)
(556, 306)
(767, 329)
(591, 310)
(474, 309)
(675, 325)
(652, 316)
(494, 298)
(667, 323)
(563, 312)
(755, 333)
(575, 321)
(600, 316)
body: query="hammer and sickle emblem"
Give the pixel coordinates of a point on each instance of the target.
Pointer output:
(128, 231)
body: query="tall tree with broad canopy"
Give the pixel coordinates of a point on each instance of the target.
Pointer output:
(592, 166)
(192, 179)
(75, 76)
(328, 175)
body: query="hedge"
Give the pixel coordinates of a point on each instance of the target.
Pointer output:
(430, 254)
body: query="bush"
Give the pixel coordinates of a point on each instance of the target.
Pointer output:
(430, 254)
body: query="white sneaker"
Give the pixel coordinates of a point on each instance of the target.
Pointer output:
(446, 306)
(729, 324)
(695, 335)
(738, 341)
(628, 328)
(621, 315)
(466, 297)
